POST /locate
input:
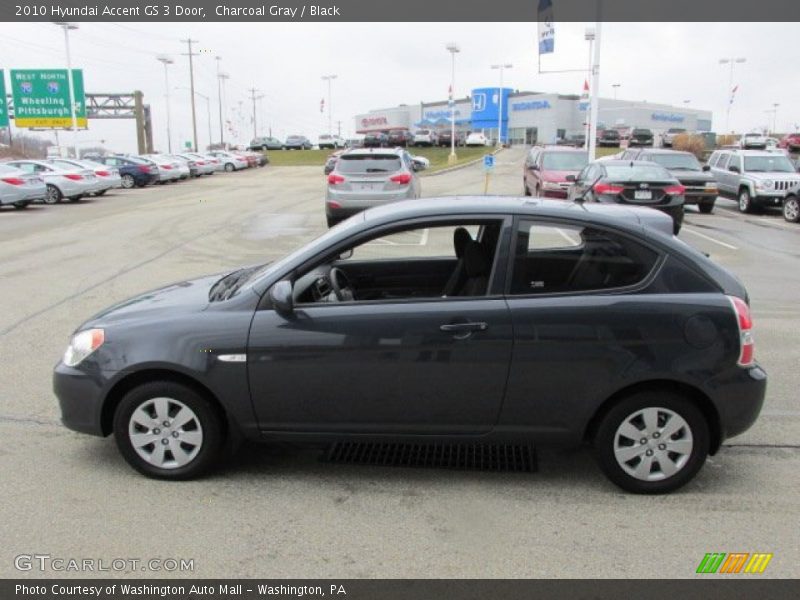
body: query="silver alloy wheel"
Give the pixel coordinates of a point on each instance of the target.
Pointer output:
(52, 195)
(744, 201)
(128, 181)
(791, 210)
(165, 433)
(653, 444)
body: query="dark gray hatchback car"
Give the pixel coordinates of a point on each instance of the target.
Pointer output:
(439, 320)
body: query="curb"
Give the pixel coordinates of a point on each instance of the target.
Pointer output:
(496, 151)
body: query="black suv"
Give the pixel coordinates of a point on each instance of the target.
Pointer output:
(400, 137)
(376, 139)
(701, 185)
(608, 137)
(641, 137)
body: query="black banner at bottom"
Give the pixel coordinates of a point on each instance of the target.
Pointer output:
(733, 588)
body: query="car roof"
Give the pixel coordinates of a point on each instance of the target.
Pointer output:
(368, 151)
(566, 149)
(663, 151)
(619, 162)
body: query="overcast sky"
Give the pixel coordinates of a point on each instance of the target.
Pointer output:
(384, 64)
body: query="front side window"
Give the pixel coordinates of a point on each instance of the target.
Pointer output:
(552, 258)
(722, 163)
(436, 261)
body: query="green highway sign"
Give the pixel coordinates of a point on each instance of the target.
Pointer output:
(3, 103)
(41, 97)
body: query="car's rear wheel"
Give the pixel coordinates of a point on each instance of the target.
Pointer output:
(745, 202)
(652, 442)
(75, 198)
(100, 193)
(53, 195)
(167, 430)
(791, 209)
(229, 167)
(22, 204)
(128, 181)
(706, 207)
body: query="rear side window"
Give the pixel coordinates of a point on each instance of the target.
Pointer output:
(368, 163)
(559, 258)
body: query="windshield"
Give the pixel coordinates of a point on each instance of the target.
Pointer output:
(768, 164)
(423, 132)
(637, 173)
(679, 162)
(564, 161)
(368, 163)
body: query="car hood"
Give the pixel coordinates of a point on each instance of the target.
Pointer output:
(774, 175)
(557, 176)
(183, 296)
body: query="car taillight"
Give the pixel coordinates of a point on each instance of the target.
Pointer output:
(607, 188)
(334, 204)
(402, 178)
(200, 162)
(73, 177)
(13, 180)
(144, 168)
(675, 190)
(167, 167)
(102, 173)
(747, 344)
(333, 179)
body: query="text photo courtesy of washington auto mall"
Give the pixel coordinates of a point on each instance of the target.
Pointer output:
(399, 300)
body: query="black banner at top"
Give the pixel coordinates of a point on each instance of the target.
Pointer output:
(340, 11)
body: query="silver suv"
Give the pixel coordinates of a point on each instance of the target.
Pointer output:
(367, 177)
(756, 178)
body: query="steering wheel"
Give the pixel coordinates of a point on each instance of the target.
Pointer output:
(341, 285)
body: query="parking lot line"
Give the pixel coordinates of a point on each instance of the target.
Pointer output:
(688, 229)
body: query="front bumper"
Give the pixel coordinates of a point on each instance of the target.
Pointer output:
(80, 396)
(768, 199)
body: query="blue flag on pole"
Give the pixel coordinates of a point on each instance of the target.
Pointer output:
(546, 27)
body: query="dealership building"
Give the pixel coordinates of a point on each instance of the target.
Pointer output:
(531, 117)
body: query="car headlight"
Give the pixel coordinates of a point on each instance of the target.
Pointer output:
(551, 185)
(764, 184)
(82, 345)
(711, 185)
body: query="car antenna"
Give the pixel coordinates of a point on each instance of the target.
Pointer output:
(582, 198)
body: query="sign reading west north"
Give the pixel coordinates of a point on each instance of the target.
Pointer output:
(41, 97)
(3, 103)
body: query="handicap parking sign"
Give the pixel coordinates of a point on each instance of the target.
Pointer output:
(488, 162)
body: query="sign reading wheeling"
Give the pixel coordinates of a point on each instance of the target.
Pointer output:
(41, 97)
(3, 103)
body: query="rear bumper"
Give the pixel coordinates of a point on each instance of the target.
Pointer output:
(700, 197)
(740, 399)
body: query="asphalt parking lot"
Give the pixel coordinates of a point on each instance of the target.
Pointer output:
(279, 512)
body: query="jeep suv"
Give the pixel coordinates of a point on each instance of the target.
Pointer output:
(756, 178)
(641, 137)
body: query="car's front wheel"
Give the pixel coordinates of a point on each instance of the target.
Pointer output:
(791, 209)
(53, 195)
(652, 442)
(128, 181)
(229, 167)
(745, 202)
(167, 430)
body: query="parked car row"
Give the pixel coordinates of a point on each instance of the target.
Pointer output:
(666, 179)
(23, 181)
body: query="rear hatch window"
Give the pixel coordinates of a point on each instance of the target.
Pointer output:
(378, 163)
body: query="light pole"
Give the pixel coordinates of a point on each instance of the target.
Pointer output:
(775, 106)
(686, 102)
(594, 100)
(453, 49)
(67, 27)
(208, 108)
(732, 61)
(615, 86)
(501, 67)
(329, 78)
(166, 61)
(222, 112)
(219, 100)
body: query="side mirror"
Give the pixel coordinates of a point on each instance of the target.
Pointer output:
(533, 167)
(734, 169)
(706, 167)
(281, 296)
(346, 254)
(570, 178)
(418, 164)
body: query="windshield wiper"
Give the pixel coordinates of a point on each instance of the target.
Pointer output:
(377, 170)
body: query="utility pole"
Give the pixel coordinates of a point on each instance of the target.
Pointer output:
(219, 99)
(190, 54)
(166, 61)
(253, 97)
(339, 128)
(329, 78)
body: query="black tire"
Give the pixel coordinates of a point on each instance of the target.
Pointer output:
(129, 181)
(706, 207)
(745, 201)
(100, 193)
(207, 416)
(229, 167)
(53, 195)
(22, 204)
(75, 199)
(331, 221)
(622, 411)
(791, 209)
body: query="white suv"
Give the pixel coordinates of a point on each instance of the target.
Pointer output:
(755, 177)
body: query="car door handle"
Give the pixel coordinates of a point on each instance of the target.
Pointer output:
(462, 331)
